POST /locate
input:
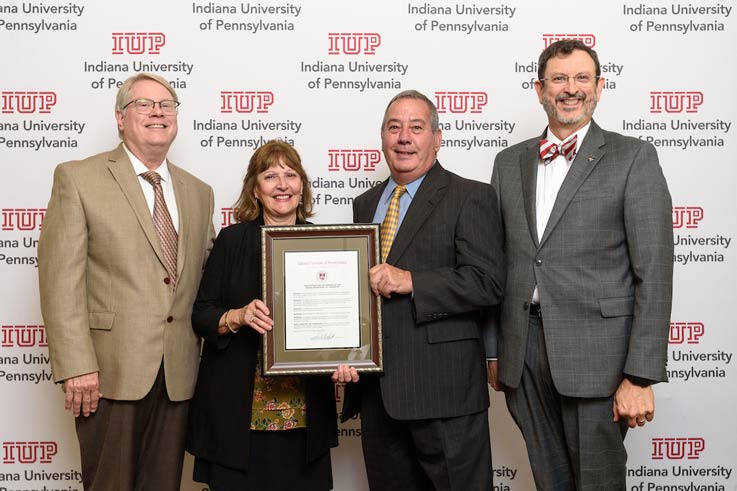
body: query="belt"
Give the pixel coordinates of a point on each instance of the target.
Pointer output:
(535, 310)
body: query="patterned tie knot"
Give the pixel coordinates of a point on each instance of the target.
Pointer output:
(549, 151)
(152, 178)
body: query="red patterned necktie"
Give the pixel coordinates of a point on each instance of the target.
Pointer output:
(549, 151)
(164, 225)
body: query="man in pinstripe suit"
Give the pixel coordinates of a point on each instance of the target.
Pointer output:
(589, 247)
(424, 421)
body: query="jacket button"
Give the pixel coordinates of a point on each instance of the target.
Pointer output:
(526, 306)
(170, 319)
(538, 262)
(167, 280)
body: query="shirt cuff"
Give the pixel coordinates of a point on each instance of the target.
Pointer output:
(639, 381)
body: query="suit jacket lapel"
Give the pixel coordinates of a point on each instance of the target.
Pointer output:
(122, 170)
(430, 192)
(586, 159)
(528, 174)
(365, 214)
(183, 209)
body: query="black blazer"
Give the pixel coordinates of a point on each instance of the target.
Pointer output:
(220, 412)
(451, 242)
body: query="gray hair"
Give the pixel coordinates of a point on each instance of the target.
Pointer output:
(413, 94)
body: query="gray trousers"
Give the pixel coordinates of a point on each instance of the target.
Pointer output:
(572, 443)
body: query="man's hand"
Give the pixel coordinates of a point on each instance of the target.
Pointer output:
(345, 374)
(492, 374)
(636, 404)
(82, 393)
(385, 279)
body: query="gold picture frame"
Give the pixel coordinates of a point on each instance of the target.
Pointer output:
(316, 285)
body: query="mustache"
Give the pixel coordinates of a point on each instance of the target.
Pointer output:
(567, 95)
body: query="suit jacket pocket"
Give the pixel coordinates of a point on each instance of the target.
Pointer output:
(617, 306)
(101, 320)
(443, 332)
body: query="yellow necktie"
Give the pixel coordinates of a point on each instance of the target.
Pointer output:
(389, 225)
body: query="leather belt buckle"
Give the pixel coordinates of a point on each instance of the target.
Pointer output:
(535, 310)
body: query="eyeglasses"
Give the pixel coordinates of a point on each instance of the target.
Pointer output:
(580, 79)
(146, 106)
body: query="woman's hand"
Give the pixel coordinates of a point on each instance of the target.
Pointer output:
(254, 315)
(345, 374)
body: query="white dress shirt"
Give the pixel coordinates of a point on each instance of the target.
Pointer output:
(550, 178)
(148, 190)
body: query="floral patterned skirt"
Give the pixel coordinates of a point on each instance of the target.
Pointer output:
(279, 403)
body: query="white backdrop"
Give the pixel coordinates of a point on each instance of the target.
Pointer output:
(319, 74)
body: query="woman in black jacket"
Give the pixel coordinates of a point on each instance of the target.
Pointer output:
(247, 431)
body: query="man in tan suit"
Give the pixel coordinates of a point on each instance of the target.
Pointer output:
(122, 248)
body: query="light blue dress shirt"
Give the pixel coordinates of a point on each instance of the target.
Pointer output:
(404, 201)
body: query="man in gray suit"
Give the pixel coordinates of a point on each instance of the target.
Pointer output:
(589, 248)
(424, 421)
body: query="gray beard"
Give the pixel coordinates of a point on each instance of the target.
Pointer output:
(553, 113)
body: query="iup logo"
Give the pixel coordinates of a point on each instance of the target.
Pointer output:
(227, 217)
(23, 219)
(687, 216)
(587, 39)
(461, 102)
(353, 43)
(138, 43)
(343, 159)
(676, 101)
(29, 452)
(685, 332)
(339, 392)
(245, 101)
(23, 337)
(27, 102)
(677, 448)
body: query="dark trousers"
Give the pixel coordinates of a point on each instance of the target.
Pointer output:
(134, 445)
(440, 454)
(572, 443)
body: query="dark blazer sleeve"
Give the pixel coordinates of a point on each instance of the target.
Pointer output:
(491, 317)
(476, 280)
(209, 306)
(649, 231)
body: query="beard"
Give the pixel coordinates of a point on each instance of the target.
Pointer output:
(587, 109)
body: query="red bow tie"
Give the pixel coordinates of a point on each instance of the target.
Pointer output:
(548, 151)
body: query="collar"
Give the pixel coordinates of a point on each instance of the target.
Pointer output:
(411, 187)
(139, 168)
(581, 134)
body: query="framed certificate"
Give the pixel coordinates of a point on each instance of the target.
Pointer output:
(316, 285)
